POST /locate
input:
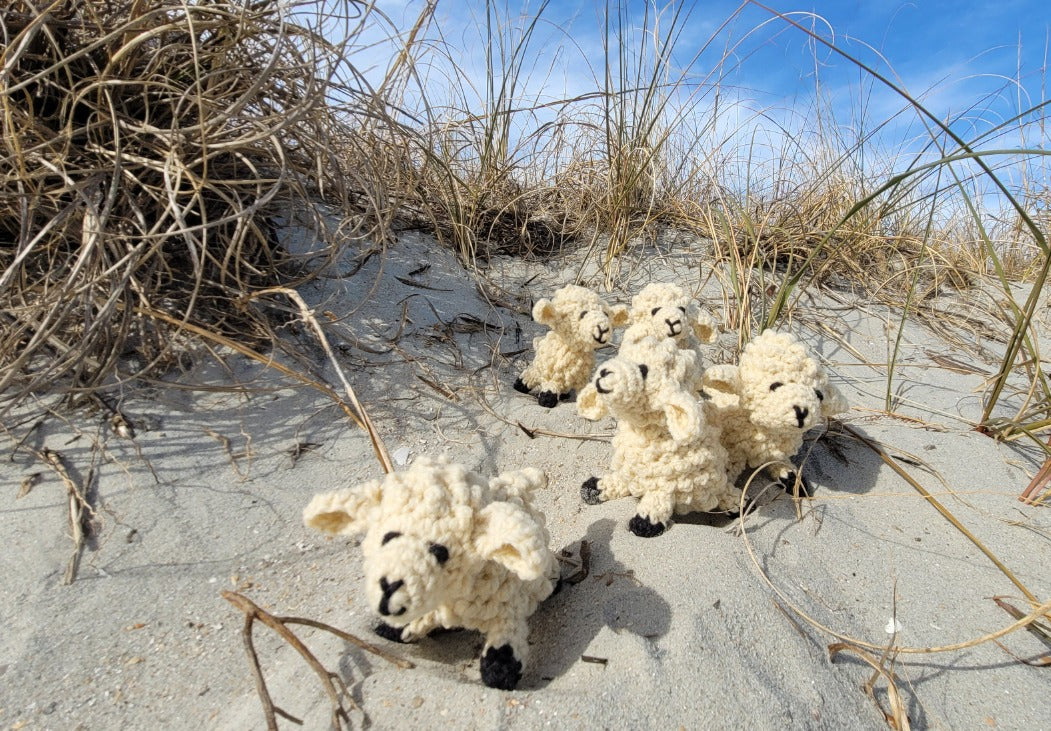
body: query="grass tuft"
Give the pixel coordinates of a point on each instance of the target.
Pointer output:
(152, 150)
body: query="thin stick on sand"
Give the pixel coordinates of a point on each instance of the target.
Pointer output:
(308, 316)
(79, 509)
(329, 679)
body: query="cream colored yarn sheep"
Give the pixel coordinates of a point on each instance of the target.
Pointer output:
(665, 452)
(767, 402)
(580, 322)
(444, 547)
(662, 310)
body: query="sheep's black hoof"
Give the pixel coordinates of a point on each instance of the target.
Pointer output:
(643, 528)
(387, 632)
(547, 399)
(520, 386)
(749, 506)
(500, 668)
(558, 587)
(788, 484)
(589, 491)
(439, 631)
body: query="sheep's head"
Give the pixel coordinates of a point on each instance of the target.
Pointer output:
(425, 529)
(664, 311)
(781, 386)
(580, 315)
(647, 388)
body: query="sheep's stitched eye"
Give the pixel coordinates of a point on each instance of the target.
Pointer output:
(683, 309)
(655, 310)
(388, 537)
(776, 385)
(440, 552)
(820, 396)
(644, 369)
(582, 314)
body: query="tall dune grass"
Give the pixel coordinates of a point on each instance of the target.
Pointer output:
(788, 197)
(154, 148)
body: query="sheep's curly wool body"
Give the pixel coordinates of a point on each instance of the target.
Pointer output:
(580, 322)
(444, 548)
(665, 451)
(663, 311)
(765, 404)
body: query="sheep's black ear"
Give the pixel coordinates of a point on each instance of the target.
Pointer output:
(440, 552)
(644, 369)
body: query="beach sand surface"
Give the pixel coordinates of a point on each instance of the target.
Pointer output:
(706, 626)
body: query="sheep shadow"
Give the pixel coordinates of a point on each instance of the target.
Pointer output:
(833, 459)
(565, 625)
(833, 462)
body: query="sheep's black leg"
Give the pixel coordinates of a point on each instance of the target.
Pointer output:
(788, 484)
(735, 513)
(547, 399)
(749, 505)
(500, 668)
(590, 492)
(643, 528)
(439, 631)
(565, 396)
(387, 632)
(520, 386)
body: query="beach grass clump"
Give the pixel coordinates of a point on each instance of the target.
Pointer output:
(469, 137)
(150, 151)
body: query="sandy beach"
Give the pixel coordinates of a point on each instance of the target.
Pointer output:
(706, 626)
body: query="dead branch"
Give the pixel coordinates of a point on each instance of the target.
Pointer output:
(329, 680)
(80, 511)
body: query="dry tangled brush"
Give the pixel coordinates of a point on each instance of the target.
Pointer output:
(148, 149)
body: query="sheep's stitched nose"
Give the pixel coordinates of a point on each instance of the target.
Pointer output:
(674, 326)
(801, 415)
(598, 385)
(601, 333)
(388, 591)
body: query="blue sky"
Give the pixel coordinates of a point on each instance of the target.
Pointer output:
(925, 42)
(973, 62)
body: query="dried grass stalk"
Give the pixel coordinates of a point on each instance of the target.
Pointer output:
(148, 151)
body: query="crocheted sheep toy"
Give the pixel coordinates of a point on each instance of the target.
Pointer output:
(662, 310)
(580, 323)
(446, 548)
(665, 452)
(767, 402)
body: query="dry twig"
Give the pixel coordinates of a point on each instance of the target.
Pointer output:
(329, 680)
(80, 511)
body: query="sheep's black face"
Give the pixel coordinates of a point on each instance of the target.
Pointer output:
(405, 574)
